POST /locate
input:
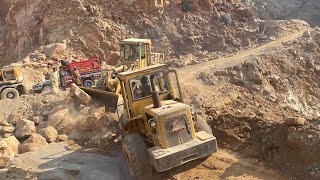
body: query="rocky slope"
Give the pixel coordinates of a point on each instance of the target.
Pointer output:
(97, 26)
(268, 107)
(307, 10)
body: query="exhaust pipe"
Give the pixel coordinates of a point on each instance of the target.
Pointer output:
(156, 99)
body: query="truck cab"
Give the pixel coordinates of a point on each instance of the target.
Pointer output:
(90, 71)
(153, 112)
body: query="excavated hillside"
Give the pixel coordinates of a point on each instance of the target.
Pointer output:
(265, 104)
(97, 26)
(255, 81)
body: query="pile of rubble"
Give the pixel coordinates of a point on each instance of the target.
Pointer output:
(53, 117)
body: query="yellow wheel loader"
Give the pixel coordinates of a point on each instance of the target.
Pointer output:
(159, 130)
(11, 83)
(134, 54)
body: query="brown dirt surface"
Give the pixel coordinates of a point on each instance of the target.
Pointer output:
(255, 81)
(248, 110)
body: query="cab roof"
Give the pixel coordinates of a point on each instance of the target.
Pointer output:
(144, 70)
(136, 41)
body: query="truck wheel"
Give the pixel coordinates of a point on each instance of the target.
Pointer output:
(47, 88)
(202, 125)
(136, 155)
(88, 83)
(99, 83)
(9, 93)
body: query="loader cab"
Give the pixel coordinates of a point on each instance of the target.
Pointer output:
(11, 83)
(137, 53)
(10, 75)
(137, 87)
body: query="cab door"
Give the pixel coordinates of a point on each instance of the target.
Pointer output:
(175, 85)
(143, 55)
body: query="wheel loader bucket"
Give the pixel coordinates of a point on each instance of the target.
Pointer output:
(108, 98)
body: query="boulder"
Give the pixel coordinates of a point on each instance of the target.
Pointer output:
(7, 129)
(92, 120)
(221, 73)
(84, 110)
(312, 46)
(14, 118)
(245, 12)
(38, 119)
(63, 137)
(24, 129)
(50, 133)
(3, 164)
(55, 50)
(291, 129)
(269, 93)
(42, 125)
(113, 58)
(33, 142)
(42, 57)
(26, 60)
(79, 95)
(306, 34)
(57, 118)
(10, 147)
(294, 121)
(5, 135)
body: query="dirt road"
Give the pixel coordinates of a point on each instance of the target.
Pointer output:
(188, 74)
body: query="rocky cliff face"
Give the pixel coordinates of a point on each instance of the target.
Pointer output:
(307, 10)
(97, 26)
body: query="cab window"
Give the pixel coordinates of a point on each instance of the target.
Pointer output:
(143, 51)
(9, 75)
(130, 52)
(142, 86)
(175, 85)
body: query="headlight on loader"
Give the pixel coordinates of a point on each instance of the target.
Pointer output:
(152, 123)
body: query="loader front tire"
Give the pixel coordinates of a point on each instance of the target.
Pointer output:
(136, 155)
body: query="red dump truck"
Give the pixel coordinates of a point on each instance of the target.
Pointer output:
(90, 71)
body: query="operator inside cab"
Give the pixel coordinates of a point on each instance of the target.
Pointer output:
(133, 52)
(130, 52)
(142, 86)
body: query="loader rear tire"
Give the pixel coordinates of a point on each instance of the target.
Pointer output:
(9, 93)
(136, 155)
(202, 125)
